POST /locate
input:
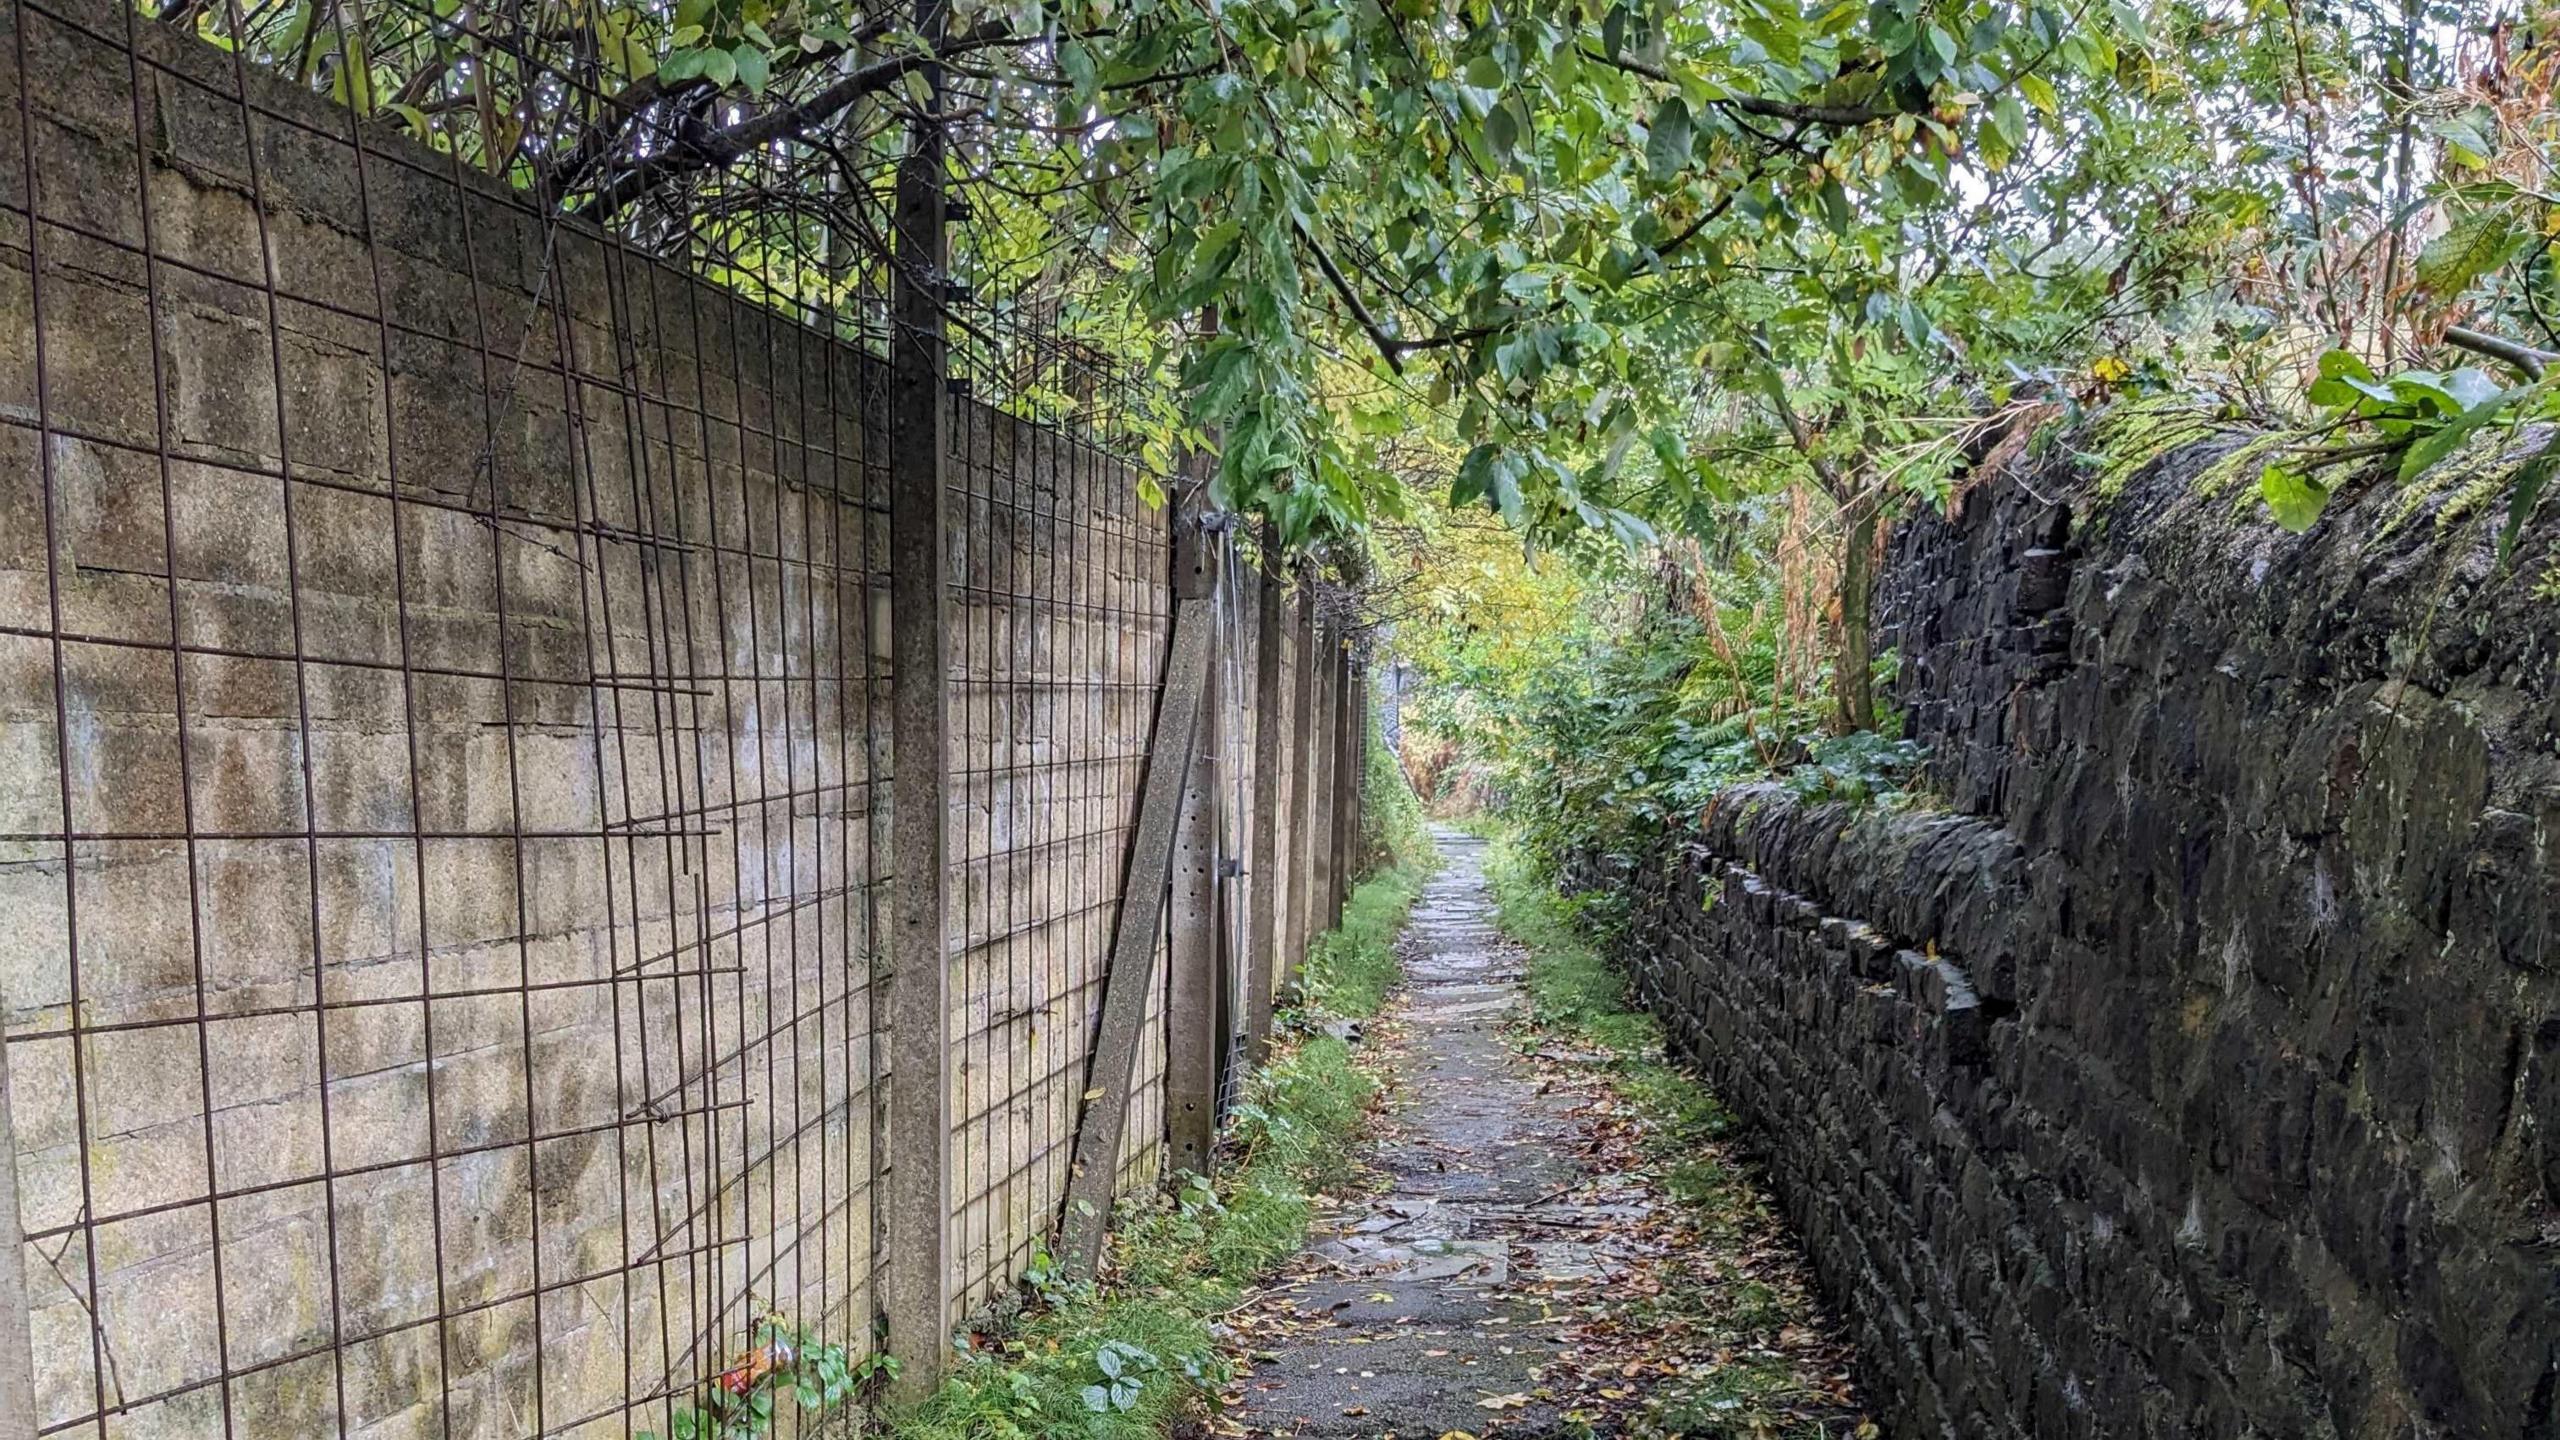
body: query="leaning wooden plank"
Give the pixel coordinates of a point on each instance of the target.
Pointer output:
(1192, 980)
(1133, 947)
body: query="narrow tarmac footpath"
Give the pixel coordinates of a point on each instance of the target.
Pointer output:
(1443, 1301)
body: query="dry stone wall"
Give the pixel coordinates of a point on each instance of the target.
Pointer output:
(2185, 1061)
(444, 703)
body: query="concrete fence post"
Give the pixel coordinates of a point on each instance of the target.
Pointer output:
(1345, 780)
(1191, 1001)
(1270, 754)
(916, 1288)
(1321, 859)
(1300, 842)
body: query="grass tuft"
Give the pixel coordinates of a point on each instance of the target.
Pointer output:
(1351, 968)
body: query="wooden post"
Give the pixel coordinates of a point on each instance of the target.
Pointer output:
(1191, 1004)
(1095, 1173)
(1301, 836)
(1269, 754)
(916, 1287)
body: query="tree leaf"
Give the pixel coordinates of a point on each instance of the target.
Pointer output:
(1501, 132)
(2529, 485)
(2448, 437)
(2337, 369)
(1666, 146)
(2477, 242)
(2291, 497)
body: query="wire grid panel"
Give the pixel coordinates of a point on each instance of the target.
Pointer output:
(1061, 621)
(441, 697)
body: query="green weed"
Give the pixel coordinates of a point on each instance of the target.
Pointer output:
(1350, 969)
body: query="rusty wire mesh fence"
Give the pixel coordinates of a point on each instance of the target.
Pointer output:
(1061, 618)
(445, 698)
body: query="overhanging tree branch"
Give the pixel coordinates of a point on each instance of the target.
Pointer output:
(1841, 116)
(2527, 358)
(1388, 346)
(723, 147)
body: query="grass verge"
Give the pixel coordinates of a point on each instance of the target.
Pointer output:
(1774, 1385)
(1123, 1359)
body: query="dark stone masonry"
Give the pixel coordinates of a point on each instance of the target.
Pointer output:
(2186, 1060)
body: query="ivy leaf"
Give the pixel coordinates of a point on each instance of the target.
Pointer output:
(754, 67)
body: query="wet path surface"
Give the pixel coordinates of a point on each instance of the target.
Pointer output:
(1435, 1303)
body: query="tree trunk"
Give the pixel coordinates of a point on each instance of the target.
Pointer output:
(1852, 666)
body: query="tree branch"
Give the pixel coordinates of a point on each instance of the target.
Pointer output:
(1842, 116)
(2524, 357)
(1388, 346)
(722, 147)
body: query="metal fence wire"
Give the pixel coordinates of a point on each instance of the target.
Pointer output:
(445, 707)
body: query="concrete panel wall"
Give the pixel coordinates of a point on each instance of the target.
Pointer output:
(444, 701)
